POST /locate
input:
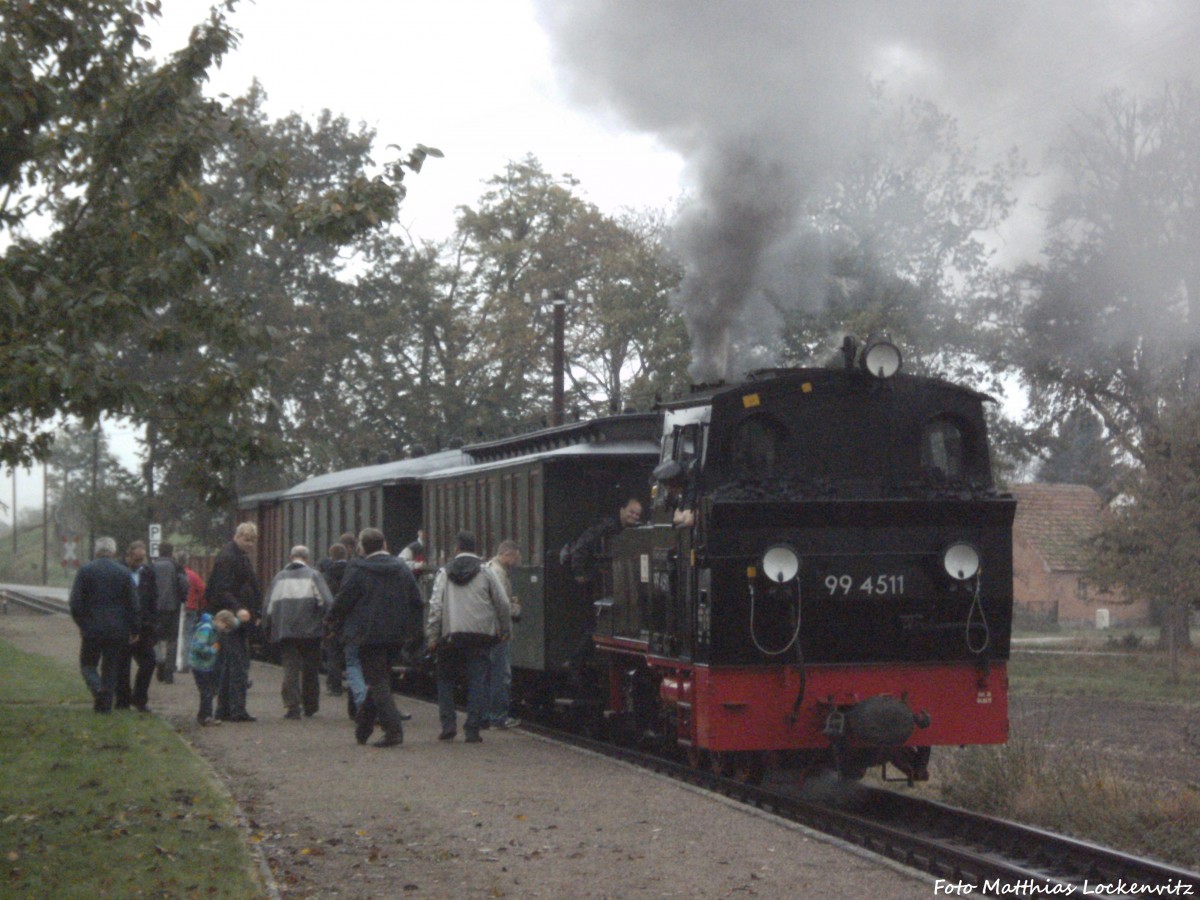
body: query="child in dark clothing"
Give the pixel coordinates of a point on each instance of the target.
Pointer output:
(202, 657)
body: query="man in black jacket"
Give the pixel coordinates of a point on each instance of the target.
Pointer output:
(104, 607)
(377, 599)
(588, 557)
(587, 553)
(234, 586)
(333, 570)
(140, 650)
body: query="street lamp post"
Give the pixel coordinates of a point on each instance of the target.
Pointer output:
(559, 361)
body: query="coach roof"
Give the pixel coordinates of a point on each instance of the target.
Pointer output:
(374, 476)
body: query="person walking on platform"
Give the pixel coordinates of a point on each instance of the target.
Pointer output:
(104, 607)
(468, 612)
(371, 611)
(333, 568)
(297, 602)
(171, 586)
(232, 585)
(508, 556)
(142, 649)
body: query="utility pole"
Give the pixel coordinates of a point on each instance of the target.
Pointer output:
(46, 521)
(95, 478)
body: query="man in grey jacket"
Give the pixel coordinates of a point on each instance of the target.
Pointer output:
(171, 582)
(297, 603)
(468, 612)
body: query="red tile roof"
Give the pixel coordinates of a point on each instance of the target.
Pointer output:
(1056, 520)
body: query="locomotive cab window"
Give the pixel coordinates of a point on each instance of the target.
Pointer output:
(945, 446)
(757, 444)
(686, 444)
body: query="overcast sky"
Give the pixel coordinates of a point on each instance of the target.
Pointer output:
(632, 96)
(471, 77)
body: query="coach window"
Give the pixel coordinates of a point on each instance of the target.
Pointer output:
(944, 446)
(757, 444)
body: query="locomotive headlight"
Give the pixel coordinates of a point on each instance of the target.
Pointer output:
(780, 563)
(961, 561)
(880, 357)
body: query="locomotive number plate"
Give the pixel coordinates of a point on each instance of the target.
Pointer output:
(841, 578)
(872, 586)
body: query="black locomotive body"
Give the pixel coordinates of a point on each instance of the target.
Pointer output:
(828, 576)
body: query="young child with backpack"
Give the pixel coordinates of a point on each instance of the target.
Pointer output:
(202, 658)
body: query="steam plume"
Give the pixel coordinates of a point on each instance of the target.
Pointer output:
(765, 100)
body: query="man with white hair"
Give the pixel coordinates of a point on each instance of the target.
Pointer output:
(105, 608)
(297, 602)
(234, 586)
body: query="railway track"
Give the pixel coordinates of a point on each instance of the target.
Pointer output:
(32, 602)
(965, 852)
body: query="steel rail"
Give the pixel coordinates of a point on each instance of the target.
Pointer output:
(44, 605)
(1079, 860)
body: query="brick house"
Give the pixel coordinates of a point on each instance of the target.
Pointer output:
(1053, 523)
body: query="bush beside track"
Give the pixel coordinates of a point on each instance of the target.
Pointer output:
(1106, 751)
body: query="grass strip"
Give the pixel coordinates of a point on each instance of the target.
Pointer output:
(1137, 675)
(105, 805)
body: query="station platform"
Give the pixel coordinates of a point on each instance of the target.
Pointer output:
(515, 816)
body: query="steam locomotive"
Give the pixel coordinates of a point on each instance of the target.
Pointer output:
(825, 577)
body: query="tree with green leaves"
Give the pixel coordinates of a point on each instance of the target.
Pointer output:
(1079, 452)
(628, 344)
(531, 236)
(898, 239)
(111, 233)
(1151, 543)
(91, 493)
(1110, 321)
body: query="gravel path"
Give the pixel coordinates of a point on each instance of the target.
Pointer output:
(513, 817)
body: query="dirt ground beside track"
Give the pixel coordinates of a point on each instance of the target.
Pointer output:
(1152, 742)
(512, 817)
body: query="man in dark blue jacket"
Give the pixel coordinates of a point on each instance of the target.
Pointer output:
(104, 607)
(378, 597)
